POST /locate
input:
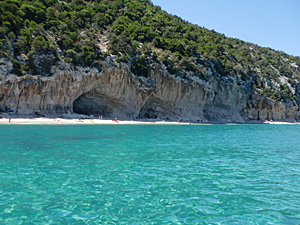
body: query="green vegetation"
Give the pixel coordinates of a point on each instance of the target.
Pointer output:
(83, 33)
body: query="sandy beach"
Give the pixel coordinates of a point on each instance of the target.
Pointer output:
(31, 119)
(79, 121)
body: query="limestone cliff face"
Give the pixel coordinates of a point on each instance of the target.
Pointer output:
(113, 90)
(262, 108)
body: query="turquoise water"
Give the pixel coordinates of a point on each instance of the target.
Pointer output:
(150, 174)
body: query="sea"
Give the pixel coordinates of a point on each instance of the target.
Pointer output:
(150, 174)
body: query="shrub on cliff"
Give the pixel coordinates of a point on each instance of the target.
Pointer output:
(140, 66)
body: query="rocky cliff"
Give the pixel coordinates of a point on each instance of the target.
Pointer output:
(112, 90)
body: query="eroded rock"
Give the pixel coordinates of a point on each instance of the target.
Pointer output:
(114, 91)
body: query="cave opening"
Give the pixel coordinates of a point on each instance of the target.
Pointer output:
(94, 105)
(97, 104)
(148, 114)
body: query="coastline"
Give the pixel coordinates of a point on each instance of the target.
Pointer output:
(64, 121)
(33, 120)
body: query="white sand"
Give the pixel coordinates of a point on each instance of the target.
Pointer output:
(79, 121)
(55, 121)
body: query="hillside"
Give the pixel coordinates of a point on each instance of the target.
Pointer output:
(37, 36)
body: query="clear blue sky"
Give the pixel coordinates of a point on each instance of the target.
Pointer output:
(268, 23)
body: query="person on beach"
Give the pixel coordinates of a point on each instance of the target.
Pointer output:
(9, 120)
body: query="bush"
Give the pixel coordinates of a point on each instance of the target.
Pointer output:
(140, 66)
(22, 45)
(3, 32)
(17, 68)
(40, 45)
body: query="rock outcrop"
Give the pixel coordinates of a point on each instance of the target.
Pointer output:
(112, 90)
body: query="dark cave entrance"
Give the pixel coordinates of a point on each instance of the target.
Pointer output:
(148, 113)
(98, 104)
(94, 105)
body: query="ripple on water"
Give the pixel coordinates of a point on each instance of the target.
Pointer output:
(246, 174)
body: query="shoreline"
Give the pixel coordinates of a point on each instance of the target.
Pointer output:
(31, 120)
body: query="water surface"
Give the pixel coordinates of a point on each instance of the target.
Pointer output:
(150, 174)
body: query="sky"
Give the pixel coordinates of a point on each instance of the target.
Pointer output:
(267, 23)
